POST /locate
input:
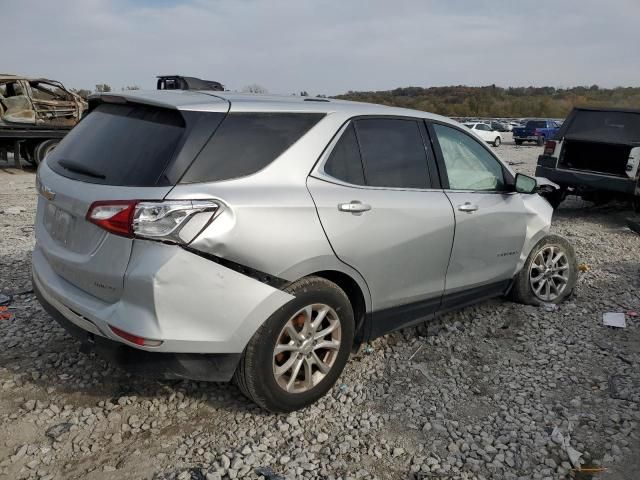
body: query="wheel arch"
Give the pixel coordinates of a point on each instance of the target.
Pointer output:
(356, 297)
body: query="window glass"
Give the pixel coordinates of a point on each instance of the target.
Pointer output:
(46, 91)
(344, 162)
(469, 165)
(393, 153)
(119, 145)
(247, 142)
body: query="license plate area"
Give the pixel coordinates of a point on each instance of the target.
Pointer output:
(58, 223)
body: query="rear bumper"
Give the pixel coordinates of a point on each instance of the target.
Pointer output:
(190, 304)
(202, 367)
(530, 138)
(585, 180)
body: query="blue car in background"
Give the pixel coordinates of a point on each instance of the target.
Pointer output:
(535, 131)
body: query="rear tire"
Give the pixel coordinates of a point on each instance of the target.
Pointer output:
(532, 276)
(540, 141)
(42, 149)
(260, 374)
(518, 142)
(496, 142)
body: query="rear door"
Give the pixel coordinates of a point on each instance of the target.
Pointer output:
(117, 152)
(490, 220)
(384, 217)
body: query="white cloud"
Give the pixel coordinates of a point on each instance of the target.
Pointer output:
(326, 46)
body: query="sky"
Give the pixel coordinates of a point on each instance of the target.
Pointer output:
(325, 47)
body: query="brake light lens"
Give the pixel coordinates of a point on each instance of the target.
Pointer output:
(549, 147)
(113, 216)
(155, 220)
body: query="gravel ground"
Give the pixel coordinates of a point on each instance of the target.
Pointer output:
(474, 395)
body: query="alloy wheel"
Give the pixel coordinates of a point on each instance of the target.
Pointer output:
(549, 273)
(307, 347)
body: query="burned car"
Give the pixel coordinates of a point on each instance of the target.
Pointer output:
(595, 155)
(35, 113)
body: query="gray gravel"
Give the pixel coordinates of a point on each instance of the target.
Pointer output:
(474, 395)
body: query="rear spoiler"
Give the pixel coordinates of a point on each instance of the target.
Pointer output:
(173, 99)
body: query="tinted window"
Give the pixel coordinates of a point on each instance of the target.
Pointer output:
(469, 165)
(393, 153)
(119, 145)
(247, 142)
(344, 162)
(536, 124)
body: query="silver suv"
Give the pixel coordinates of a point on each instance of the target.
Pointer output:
(212, 235)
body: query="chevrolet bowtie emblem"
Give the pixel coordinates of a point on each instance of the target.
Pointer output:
(46, 192)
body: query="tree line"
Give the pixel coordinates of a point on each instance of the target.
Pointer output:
(494, 101)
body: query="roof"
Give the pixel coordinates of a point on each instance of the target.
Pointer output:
(7, 76)
(608, 109)
(205, 100)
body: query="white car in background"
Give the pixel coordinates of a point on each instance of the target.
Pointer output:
(485, 132)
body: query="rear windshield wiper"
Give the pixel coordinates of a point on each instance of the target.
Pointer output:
(79, 168)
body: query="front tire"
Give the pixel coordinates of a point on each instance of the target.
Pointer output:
(496, 142)
(549, 275)
(297, 355)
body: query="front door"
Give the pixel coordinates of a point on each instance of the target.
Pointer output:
(375, 200)
(490, 219)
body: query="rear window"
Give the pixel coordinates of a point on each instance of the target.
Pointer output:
(247, 142)
(536, 124)
(128, 145)
(604, 126)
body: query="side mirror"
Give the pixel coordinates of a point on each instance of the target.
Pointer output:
(525, 183)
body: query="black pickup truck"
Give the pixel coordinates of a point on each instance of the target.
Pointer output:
(596, 155)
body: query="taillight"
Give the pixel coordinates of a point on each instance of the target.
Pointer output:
(549, 147)
(113, 216)
(154, 220)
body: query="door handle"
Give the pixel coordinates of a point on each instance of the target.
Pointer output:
(468, 207)
(354, 206)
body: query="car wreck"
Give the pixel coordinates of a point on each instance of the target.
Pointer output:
(595, 155)
(35, 113)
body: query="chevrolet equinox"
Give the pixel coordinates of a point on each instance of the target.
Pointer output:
(217, 236)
